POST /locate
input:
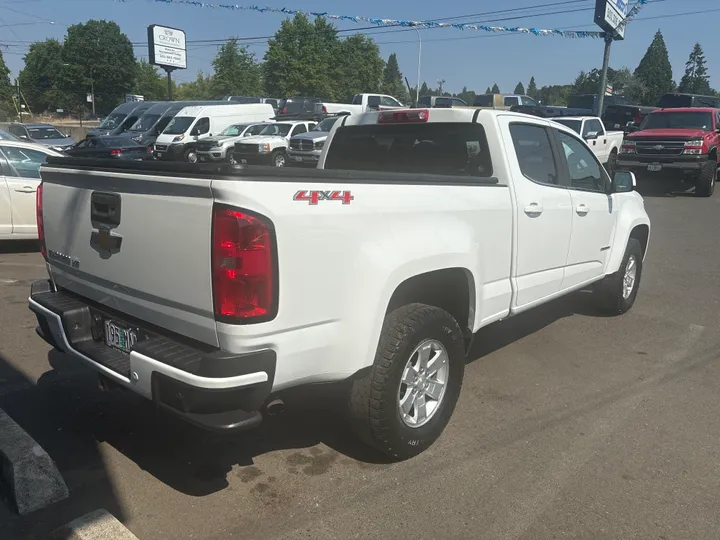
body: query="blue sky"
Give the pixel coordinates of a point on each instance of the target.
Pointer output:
(462, 58)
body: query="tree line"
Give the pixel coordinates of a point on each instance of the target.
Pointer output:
(304, 57)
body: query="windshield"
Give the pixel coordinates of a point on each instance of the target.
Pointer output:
(233, 131)
(45, 133)
(146, 122)
(575, 125)
(435, 148)
(113, 121)
(4, 135)
(678, 120)
(280, 130)
(325, 125)
(179, 125)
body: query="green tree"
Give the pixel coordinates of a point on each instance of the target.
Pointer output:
(696, 79)
(393, 84)
(519, 89)
(301, 58)
(488, 90)
(39, 79)
(468, 96)
(554, 96)
(7, 108)
(236, 71)
(495, 89)
(655, 71)
(99, 54)
(149, 82)
(425, 90)
(532, 89)
(199, 89)
(360, 67)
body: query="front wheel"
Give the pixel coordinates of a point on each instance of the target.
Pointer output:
(278, 159)
(191, 155)
(401, 407)
(616, 293)
(231, 157)
(705, 185)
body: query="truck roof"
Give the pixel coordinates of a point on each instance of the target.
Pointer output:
(438, 115)
(686, 109)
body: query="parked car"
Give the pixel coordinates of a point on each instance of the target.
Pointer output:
(683, 101)
(360, 103)
(270, 146)
(121, 119)
(110, 147)
(604, 144)
(675, 144)
(222, 147)
(440, 102)
(179, 140)
(346, 273)
(19, 182)
(44, 134)
(305, 148)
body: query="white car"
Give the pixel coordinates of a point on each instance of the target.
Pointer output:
(270, 146)
(604, 144)
(20, 179)
(211, 292)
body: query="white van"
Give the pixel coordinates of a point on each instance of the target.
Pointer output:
(178, 141)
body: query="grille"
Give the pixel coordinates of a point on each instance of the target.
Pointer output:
(161, 147)
(302, 144)
(660, 148)
(204, 146)
(247, 148)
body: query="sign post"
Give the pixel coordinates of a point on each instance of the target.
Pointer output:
(610, 16)
(167, 50)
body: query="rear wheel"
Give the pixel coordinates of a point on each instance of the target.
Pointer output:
(705, 184)
(611, 164)
(401, 407)
(278, 158)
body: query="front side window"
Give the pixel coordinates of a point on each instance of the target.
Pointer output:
(279, 130)
(528, 101)
(18, 131)
(300, 128)
(510, 101)
(534, 153)
(584, 170)
(233, 131)
(25, 163)
(594, 126)
(387, 101)
(202, 127)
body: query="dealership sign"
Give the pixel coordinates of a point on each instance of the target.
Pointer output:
(609, 14)
(167, 47)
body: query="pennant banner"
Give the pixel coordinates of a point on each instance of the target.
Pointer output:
(407, 23)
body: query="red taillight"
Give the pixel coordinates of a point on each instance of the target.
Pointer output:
(401, 117)
(116, 152)
(284, 110)
(324, 109)
(149, 150)
(638, 118)
(39, 218)
(242, 266)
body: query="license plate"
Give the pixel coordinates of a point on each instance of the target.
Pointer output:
(203, 159)
(617, 126)
(296, 158)
(159, 154)
(243, 161)
(654, 167)
(118, 337)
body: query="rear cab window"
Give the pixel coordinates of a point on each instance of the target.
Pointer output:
(453, 149)
(485, 100)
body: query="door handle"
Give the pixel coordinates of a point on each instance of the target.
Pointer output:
(582, 210)
(26, 189)
(534, 209)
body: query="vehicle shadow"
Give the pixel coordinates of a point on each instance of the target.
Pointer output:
(666, 190)
(19, 246)
(197, 462)
(43, 411)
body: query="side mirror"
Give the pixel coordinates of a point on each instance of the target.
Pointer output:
(24, 137)
(591, 135)
(623, 182)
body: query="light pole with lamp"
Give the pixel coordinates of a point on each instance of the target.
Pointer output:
(417, 88)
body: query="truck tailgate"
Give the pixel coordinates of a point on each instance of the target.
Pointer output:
(134, 243)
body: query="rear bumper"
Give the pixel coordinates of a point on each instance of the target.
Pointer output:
(206, 387)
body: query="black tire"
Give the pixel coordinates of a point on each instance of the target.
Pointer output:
(188, 155)
(278, 159)
(374, 398)
(705, 185)
(609, 292)
(230, 157)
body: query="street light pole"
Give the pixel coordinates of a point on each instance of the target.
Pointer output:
(417, 88)
(92, 90)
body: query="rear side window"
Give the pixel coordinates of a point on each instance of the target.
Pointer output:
(357, 99)
(434, 148)
(534, 153)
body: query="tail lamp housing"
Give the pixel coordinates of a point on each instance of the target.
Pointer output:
(244, 266)
(412, 116)
(40, 221)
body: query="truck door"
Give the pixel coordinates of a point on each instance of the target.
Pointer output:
(593, 215)
(5, 208)
(544, 213)
(594, 133)
(22, 177)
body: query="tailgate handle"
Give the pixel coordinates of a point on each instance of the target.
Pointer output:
(105, 209)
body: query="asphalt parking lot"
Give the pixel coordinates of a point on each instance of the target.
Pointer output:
(570, 425)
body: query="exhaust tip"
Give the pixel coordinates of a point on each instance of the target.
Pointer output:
(275, 407)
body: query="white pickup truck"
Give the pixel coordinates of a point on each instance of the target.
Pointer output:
(360, 103)
(604, 144)
(210, 289)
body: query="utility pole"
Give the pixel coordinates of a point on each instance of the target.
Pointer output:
(19, 105)
(441, 82)
(603, 75)
(169, 80)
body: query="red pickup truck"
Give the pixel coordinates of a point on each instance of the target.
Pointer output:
(675, 144)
